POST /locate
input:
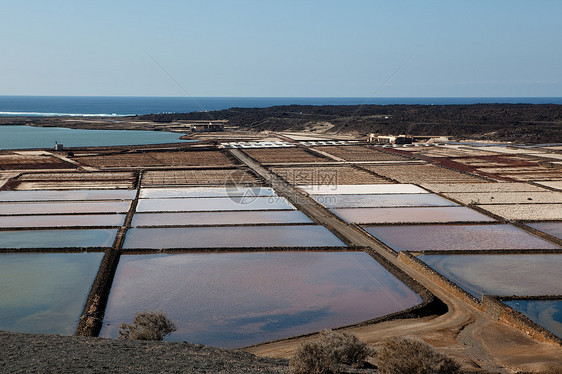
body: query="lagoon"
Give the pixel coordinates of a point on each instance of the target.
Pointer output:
(23, 137)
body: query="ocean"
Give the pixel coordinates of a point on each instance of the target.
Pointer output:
(123, 106)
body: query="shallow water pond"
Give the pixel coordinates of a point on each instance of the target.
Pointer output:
(411, 215)
(58, 238)
(504, 275)
(219, 218)
(231, 237)
(45, 293)
(20, 137)
(360, 189)
(172, 193)
(545, 313)
(551, 228)
(456, 237)
(74, 220)
(381, 200)
(213, 204)
(237, 299)
(70, 195)
(64, 208)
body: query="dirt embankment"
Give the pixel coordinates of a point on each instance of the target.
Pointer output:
(26, 353)
(528, 123)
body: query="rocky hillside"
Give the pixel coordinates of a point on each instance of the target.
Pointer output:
(525, 123)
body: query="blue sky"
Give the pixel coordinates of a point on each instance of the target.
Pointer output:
(282, 48)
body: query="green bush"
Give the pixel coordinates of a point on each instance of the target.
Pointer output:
(326, 354)
(147, 326)
(411, 356)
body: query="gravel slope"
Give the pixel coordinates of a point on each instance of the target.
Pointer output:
(29, 353)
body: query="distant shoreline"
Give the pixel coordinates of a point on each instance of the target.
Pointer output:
(521, 123)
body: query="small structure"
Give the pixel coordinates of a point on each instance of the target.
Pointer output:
(58, 147)
(207, 127)
(391, 139)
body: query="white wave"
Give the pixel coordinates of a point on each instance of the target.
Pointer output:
(42, 114)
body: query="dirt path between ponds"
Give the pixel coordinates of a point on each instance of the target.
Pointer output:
(464, 332)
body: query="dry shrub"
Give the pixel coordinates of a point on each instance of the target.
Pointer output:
(147, 326)
(411, 356)
(549, 369)
(325, 354)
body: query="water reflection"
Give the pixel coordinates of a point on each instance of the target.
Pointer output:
(68, 195)
(213, 204)
(231, 237)
(218, 218)
(546, 313)
(57, 238)
(172, 193)
(382, 201)
(75, 220)
(505, 275)
(456, 237)
(411, 215)
(64, 208)
(237, 299)
(551, 228)
(44, 293)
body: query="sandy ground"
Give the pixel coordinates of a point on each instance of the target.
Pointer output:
(465, 333)
(526, 212)
(506, 197)
(482, 187)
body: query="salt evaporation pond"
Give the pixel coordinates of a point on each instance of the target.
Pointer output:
(231, 237)
(381, 200)
(545, 313)
(92, 238)
(213, 204)
(219, 218)
(74, 220)
(551, 228)
(503, 275)
(68, 195)
(411, 215)
(45, 293)
(361, 189)
(22, 137)
(186, 192)
(456, 237)
(238, 299)
(64, 208)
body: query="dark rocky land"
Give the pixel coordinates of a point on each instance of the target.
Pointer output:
(520, 123)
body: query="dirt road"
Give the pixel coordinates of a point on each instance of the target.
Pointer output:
(464, 332)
